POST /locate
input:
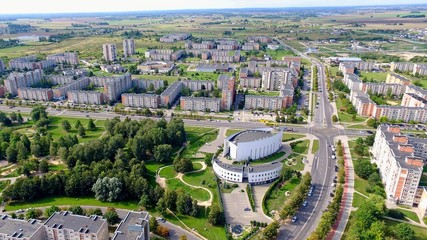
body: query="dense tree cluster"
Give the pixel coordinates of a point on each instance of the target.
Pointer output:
(297, 197)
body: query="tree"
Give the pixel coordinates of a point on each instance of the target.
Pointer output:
(22, 151)
(107, 189)
(183, 237)
(82, 131)
(66, 125)
(364, 169)
(334, 118)
(77, 210)
(38, 113)
(4, 119)
(91, 125)
(33, 213)
(78, 124)
(208, 159)
(161, 206)
(215, 216)
(182, 165)
(404, 232)
(20, 119)
(163, 153)
(270, 232)
(13, 116)
(150, 87)
(111, 216)
(372, 122)
(51, 210)
(12, 153)
(44, 166)
(153, 224)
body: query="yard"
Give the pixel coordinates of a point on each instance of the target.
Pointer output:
(197, 193)
(420, 233)
(301, 147)
(291, 136)
(278, 195)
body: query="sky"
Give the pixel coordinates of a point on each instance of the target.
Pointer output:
(67, 6)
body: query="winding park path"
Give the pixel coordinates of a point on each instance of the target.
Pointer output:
(162, 182)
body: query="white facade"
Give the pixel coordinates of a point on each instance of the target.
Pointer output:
(252, 144)
(228, 172)
(264, 174)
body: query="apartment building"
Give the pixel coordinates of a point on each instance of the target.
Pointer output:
(135, 226)
(17, 229)
(228, 93)
(2, 91)
(200, 104)
(35, 94)
(2, 66)
(141, 100)
(420, 69)
(400, 170)
(383, 88)
(197, 85)
(413, 100)
(61, 92)
(175, 37)
(67, 226)
(225, 56)
(205, 67)
(362, 103)
(250, 82)
(222, 81)
(421, 92)
(145, 83)
(402, 66)
(251, 46)
(164, 54)
(350, 66)
(115, 86)
(21, 80)
(168, 97)
(30, 63)
(113, 68)
(273, 79)
(346, 68)
(128, 47)
(85, 97)
(352, 81)
(109, 52)
(263, 102)
(393, 78)
(204, 45)
(287, 95)
(156, 66)
(68, 58)
(405, 114)
(260, 39)
(60, 79)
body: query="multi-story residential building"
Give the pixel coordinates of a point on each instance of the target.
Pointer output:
(86, 97)
(397, 113)
(362, 103)
(115, 86)
(17, 229)
(263, 102)
(228, 92)
(420, 69)
(201, 104)
(164, 54)
(67, 226)
(273, 79)
(397, 79)
(61, 92)
(287, 95)
(68, 58)
(156, 66)
(260, 39)
(413, 100)
(225, 56)
(109, 52)
(250, 82)
(145, 83)
(60, 79)
(141, 100)
(175, 37)
(251, 46)
(346, 68)
(35, 94)
(30, 63)
(402, 66)
(168, 97)
(204, 45)
(128, 47)
(421, 92)
(197, 85)
(135, 226)
(222, 81)
(20, 80)
(400, 170)
(383, 88)
(352, 81)
(2, 66)
(205, 67)
(2, 91)
(113, 68)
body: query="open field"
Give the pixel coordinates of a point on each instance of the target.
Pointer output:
(278, 196)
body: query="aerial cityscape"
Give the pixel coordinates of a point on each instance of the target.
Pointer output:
(213, 120)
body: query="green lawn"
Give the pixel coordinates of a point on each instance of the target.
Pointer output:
(315, 146)
(152, 167)
(232, 131)
(359, 126)
(197, 137)
(358, 200)
(205, 178)
(345, 117)
(268, 159)
(420, 233)
(301, 147)
(299, 166)
(197, 166)
(58, 167)
(56, 130)
(66, 201)
(411, 215)
(264, 93)
(4, 184)
(291, 136)
(360, 185)
(197, 193)
(277, 197)
(168, 172)
(376, 76)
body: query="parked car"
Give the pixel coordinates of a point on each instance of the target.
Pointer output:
(304, 204)
(294, 219)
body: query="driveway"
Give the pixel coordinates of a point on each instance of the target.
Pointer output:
(212, 147)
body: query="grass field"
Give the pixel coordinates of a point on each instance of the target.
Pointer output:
(375, 76)
(345, 117)
(197, 137)
(196, 193)
(299, 166)
(291, 136)
(168, 172)
(301, 147)
(360, 185)
(265, 93)
(315, 146)
(278, 197)
(232, 131)
(411, 215)
(420, 233)
(358, 200)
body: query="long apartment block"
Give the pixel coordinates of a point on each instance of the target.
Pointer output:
(21, 80)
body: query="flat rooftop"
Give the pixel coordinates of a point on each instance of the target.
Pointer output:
(18, 228)
(78, 223)
(250, 136)
(264, 167)
(229, 167)
(132, 227)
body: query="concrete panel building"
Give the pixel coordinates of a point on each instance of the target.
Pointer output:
(109, 52)
(61, 92)
(114, 87)
(228, 93)
(397, 79)
(67, 226)
(35, 94)
(86, 97)
(200, 104)
(17, 229)
(222, 81)
(21, 80)
(60, 79)
(175, 37)
(273, 79)
(141, 100)
(68, 58)
(2, 66)
(400, 170)
(263, 102)
(128, 47)
(197, 85)
(413, 100)
(145, 83)
(164, 54)
(135, 226)
(29, 63)
(169, 96)
(250, 82)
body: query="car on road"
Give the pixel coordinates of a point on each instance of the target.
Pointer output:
(332, 194)
(161, 220)
(19, 211)
(304, 204)
(310, 193)
(370, 132)
(294, 219)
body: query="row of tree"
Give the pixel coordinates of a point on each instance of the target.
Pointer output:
(296, 198)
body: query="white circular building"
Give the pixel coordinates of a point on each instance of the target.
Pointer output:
(252, 144)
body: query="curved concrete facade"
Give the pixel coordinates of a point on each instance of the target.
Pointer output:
(252, 144)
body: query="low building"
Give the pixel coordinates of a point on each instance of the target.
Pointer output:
(67, 226)
(141, 100)
(200, 104)
(135, 226)
(156, 66)
(252, 144)
(17, 229)
(86, 97)
(35, 94)
(400, 170)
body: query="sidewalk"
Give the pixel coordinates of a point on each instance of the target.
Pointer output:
(346, 203)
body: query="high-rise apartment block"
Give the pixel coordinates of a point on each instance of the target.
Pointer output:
(21, 80)
(35, 94)
(128, 47)
(2, 66)
(109, 52)
(228, 92)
